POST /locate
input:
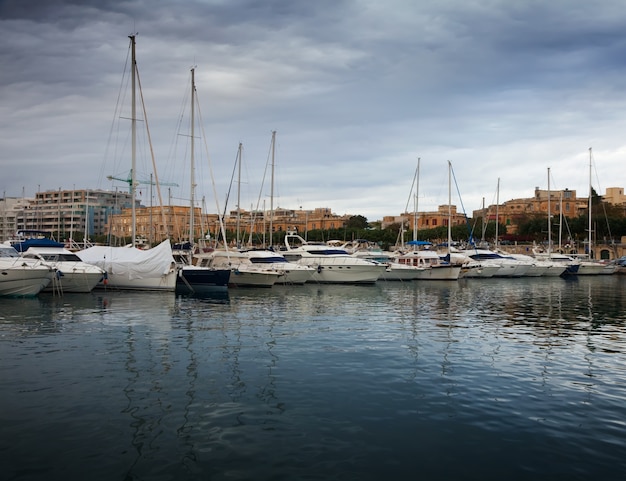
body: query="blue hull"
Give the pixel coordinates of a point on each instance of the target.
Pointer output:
(202, 280)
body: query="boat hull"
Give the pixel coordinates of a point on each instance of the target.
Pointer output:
(166, 282)
(595, 269)
(340, 269)
(400, 272)
(200, 280)
(440, 273)
(17, 281)
(75, 281)
(242, 278)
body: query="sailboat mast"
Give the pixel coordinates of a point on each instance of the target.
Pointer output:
(193, 167)
(449, 206)
(272, 190)
(560, 219)
(133, 118)
(549, 219)
(417, 189)
(590, 189)
(497, 212)
(239, 191)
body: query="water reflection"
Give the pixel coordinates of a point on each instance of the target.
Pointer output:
(341, 381)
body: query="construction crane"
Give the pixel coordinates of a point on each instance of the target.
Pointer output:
(129, 181)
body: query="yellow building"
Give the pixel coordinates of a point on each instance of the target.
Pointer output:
(427, 220)
(512, 212)
(155, 224)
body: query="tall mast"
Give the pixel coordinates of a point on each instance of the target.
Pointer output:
(133, 119)
(417, 189)
(549, 219)
(589, 239)
(449, 205)
(272, 189)
(497, 211)
(239, 190)
(560, 218)
(193, 167)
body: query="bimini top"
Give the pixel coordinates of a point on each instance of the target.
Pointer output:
(33, 238)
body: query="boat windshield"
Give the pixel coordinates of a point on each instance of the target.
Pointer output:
(60, 257)
(8, 252)
(267, 260)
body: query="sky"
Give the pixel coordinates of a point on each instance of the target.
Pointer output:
(356, 90)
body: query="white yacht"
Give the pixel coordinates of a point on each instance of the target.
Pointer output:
(508, 266)
(571, 265)
(292, 273)
(331, 264)
(433, 267)
(243, 272)
(20, 277)
(473, 269)
(394, 271)
(74, 275)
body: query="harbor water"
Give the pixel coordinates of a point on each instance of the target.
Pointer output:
(477, 379)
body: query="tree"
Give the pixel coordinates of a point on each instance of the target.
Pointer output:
(357, 222)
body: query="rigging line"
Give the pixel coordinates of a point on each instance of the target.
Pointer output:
(258, 202)
(171, 156)
(217, 203)
(156, 175)
(603, 204)
(116, 114)
(408, 201)
(471, 231)
(230, 186)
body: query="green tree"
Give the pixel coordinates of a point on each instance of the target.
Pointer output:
(357, 222)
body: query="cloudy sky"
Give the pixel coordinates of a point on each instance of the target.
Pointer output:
(357, 91)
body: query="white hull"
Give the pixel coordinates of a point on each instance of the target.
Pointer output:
(555, 270)
(430, 263)
(342, 270)
(440, 273)
(478, 271)
(294, 275)
(73, 275)
(332, 265)
(24, 281)
(165, 282)
(290, 272)
(75, 281)
(241, 277)
(511, 269)
(588, 268)
(399, 272)
(243, 272)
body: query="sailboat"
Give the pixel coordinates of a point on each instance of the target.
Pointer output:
(193, 278)
(588, 265)
(271, 259)
(243, 272)
(421, 255)
(561, 263)
(130, 267)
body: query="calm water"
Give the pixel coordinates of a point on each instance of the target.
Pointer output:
(478, 379)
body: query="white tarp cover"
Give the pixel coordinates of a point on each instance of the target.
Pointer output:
(130, 261)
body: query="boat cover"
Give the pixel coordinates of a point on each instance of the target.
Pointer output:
(130, 261)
